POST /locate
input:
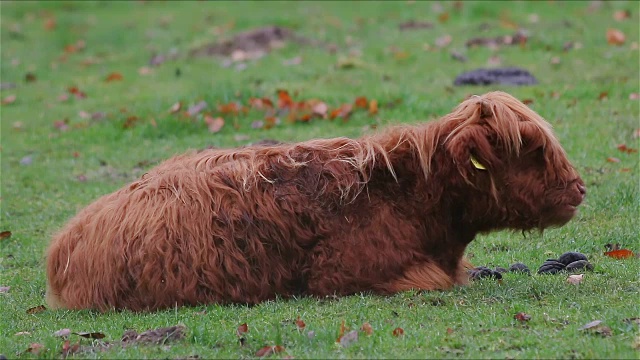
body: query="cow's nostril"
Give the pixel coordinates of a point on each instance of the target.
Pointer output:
(582, 189)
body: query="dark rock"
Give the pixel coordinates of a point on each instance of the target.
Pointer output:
(483, 272)
(502, 76)
(578, 265)
(569, 257)
(519, 267)
(499, 269)
(551, 267)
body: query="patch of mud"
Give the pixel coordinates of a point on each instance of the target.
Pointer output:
(502, 76)
(254, 43)
(160, 336)
(519, 37)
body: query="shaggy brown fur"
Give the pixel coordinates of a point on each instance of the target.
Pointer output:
(385, 213)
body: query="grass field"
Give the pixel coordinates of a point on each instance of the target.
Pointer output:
(63, 148)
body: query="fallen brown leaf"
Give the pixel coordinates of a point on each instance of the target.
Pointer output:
(30, 77)
(597, 327)
(367, 328)
(621, 15)
(76, 92)
(5, 235)
(130, 122)
(156, 336)
(615, 37)
(398, 332)
(522, 317)
(268, 350)
(633, 320)
(90, 335)
(214, 124)
(415, 25)
(35, 348)
(349, 338)
(230, 108)
(343, 111)
(361, 102)
(575, 279)
(624, 148)
(114, 76)
(50, 24)
(62, 333)
(9, 99)
(36, 309)
(242, 329)
(68, 349)
(320, 109)
(175, 107)
(612, 159)
(443, 41)
(603, 95)
(284, 100)
(260, 103)
(197, 108)
(373, 107)
(591, 325)
(619, 254)
(300, 324)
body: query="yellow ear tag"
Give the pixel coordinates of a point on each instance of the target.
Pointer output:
(477, 164)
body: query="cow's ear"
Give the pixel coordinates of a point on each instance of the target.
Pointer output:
(472, 151)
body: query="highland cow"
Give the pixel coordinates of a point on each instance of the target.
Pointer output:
(385, 213)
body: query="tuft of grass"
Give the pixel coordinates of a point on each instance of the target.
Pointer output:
(48, 174)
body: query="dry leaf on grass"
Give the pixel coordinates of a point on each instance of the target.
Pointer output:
(242, 329)
(197, 108)
(214, 124)
(268, 350)
(522, 317)
(5, 235)
(175, 107)
(615, 37)
(9, 99)
(90, 335)
(114, 76)
(156, 336)
(36, 309)
(62, 333)
(596, 327)
(575, 279)
(349, 338)
(620, 254)
(35, 348)
(367, 328)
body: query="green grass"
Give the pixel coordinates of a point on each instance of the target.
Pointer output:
(121, 37)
